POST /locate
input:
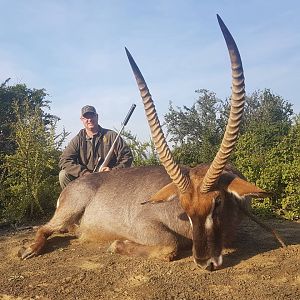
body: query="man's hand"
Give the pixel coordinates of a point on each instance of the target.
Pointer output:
(104, 169)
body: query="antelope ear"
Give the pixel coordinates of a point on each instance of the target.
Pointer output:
(242, 188)
(167, 193)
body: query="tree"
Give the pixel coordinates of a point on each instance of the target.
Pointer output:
(259, 152)
(282, 173)
(267, 120)
(20, 93)
(196, 132)
(144, 153)
(30, 184)
(267, 151)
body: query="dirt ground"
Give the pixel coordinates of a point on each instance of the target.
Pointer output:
(256, 267)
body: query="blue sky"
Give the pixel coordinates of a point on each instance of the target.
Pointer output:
(75, 50)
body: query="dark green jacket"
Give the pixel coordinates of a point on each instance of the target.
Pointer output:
(82, 152)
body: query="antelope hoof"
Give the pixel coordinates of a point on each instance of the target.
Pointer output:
(26, 253)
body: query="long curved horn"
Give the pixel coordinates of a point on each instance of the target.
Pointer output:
(165, 156)
(235, 116)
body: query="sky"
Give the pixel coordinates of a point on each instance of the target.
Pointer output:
(74, 49)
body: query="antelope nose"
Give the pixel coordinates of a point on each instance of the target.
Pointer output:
(204, 263)
(209, 264)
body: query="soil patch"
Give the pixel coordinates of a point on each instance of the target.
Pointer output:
(256, 267)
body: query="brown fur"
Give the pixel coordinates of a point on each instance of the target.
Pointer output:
(108, 206)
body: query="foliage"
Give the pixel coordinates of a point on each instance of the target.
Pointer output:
(267, 113)
(144, 153)
(259, 153)
(20, 93)
(282, 173)
(267, 151)
(29, 184)
(195, 131)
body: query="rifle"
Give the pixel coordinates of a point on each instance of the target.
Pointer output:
(110, 152)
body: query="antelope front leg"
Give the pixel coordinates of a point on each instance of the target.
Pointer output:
(40, 239)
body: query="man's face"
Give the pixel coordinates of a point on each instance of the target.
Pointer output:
(90, 121)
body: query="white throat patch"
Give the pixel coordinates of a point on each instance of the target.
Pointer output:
(209, 220)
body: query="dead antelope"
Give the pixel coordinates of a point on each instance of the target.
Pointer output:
(198, 207)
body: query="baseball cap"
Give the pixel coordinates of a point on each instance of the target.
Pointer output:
(88, 109)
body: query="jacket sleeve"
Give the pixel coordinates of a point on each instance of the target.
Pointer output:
(123, 154)
(70, 158)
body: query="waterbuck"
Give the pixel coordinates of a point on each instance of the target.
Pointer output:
(194, 207)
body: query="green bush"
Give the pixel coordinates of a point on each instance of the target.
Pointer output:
(30, 175)
(267, 151)
(144, 153)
